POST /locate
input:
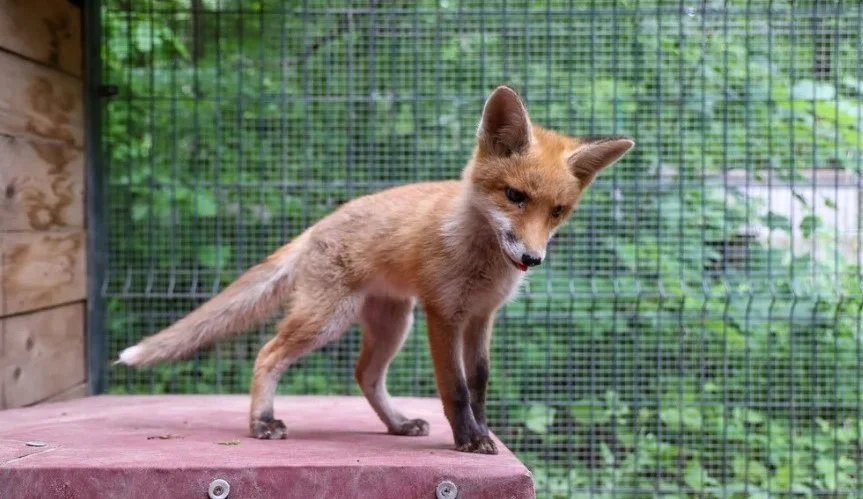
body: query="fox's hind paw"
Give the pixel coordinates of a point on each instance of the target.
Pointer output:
(412, 428)
(273, 429)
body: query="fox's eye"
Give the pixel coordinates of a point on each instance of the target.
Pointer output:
(515, 196)
(557, 211)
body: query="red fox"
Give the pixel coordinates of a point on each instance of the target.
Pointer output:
(459, 247)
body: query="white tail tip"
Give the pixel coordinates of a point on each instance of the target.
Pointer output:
(130, 356)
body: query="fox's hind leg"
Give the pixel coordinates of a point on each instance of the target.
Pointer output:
(313, 322)
(386, 323)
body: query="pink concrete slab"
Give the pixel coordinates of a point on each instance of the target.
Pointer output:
(175, 446)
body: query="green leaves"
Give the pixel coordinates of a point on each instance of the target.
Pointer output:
(205, 204)
(538, 418)
(589, 412)
(688, 418)
(695, 476)
(214, 256)
(749, 470)
(810, 224)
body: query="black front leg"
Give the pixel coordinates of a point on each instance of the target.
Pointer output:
(457, 399)
(476, 359)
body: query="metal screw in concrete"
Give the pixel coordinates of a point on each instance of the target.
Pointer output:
(219, 489)
(446, 490)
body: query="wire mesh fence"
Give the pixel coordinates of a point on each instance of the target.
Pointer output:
(697, 328)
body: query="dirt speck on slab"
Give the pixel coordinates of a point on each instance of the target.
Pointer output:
(164, 437)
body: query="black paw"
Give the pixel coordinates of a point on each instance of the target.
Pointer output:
(274, 429)
(412, 428)
(479, 445)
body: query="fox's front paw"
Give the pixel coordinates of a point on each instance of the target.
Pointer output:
(412, 428)
(274, 429)
(479, 445)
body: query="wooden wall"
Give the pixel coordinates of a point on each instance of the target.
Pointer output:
(42, 229)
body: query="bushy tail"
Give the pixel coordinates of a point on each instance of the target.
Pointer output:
(246, 302)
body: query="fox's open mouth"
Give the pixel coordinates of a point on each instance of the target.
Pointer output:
(520, 266)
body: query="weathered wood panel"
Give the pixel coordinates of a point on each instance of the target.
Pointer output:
(42, 269)
(38, 102)
(2, 363)
(44, 354)
(76, 392)
(41, 185)
(48, 31)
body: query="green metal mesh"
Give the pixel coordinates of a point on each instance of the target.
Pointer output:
(696, 330)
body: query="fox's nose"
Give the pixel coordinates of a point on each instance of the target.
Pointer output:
(530, 260)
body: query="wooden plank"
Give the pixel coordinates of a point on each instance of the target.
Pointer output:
(44, 354)
(42, 269)
(48, 31)
(41, 185)
(2, 363)
(39, 102)
(76, 392)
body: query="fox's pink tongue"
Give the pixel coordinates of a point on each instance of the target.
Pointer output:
(520, 266)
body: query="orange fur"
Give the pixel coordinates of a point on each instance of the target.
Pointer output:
(456, 246)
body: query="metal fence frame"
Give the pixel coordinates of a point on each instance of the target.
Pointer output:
(98, 95)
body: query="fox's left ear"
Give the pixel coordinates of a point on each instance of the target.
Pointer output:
(597, 153)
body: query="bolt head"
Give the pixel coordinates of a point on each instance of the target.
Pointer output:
(446, 490)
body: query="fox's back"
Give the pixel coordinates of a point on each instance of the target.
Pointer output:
(380, 235)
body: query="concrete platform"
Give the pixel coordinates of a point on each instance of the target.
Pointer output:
(175, 446)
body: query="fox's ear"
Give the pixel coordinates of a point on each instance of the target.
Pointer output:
(505, 126)
(597, 153)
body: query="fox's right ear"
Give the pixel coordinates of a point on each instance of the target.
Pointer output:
(505, 126)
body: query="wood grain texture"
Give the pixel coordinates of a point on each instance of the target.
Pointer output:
(38, 102)
(78, 391)
(2, 363)
(48, 31)
(44, 354)
(42, 269)
(41, 185)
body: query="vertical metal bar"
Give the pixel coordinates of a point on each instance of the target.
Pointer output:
(504, 36)
(637, 188)
(130, 132)
(350, 164)
(96, 207)
(371, 106)
(416, 96)
(705, 288)
(770, 283)
(217, 176)
(791, 333)
(813, 259)
(615, 175)
(748, 388)
(572, 378)
(151, 179)
(660, 434)
(441, 171)
(725, 242)
(591, 249)
(859, 246)
(681, 182)
(151, 160)
(838, 291)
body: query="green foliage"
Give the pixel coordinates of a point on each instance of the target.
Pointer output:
(659, 352)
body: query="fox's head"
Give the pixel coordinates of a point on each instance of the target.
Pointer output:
(527, 180)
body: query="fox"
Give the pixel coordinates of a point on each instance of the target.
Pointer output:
(459, 248)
